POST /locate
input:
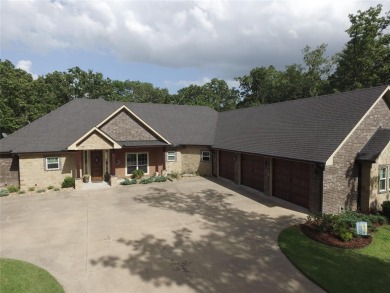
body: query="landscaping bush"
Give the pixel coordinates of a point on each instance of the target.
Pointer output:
(4, 192)
(146, 180)
(160, 179)
(386, 208)
(21, 192)
(68, 182)
(174, 175)
(344, 225)
(31, 189)
(41, 190)
(50, 187)
(56, 189)
(128, 182)
(138, 173)
(12, 188)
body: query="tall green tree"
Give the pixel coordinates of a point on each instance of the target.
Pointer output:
(17, 98)
(215, 94)
(365, 59)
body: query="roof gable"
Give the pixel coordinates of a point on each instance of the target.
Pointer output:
(94, 139)
(124, 125)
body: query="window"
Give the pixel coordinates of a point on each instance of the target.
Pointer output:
(52, 163)
(382, 178)
(137, 161)
(171, 156)
(205, 156)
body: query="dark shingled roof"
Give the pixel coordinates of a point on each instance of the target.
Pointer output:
(375, 146)
(307, 129)
(179, 124)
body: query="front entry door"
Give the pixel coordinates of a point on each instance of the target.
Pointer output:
(96, 166)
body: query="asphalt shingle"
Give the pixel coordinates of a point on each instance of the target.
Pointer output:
(375, 146)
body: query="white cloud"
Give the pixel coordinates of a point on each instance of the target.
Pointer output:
(222, 35)
(26, 66)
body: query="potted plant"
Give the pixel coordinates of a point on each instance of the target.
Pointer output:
(86, 178)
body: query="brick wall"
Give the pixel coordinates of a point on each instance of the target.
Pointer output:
(33, 173)
(156, 160)
(341, 178)
(123, 128)
(9, 170)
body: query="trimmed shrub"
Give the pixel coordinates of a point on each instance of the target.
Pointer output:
(12, 189)
(68, 182)
(56, 189)
(31, 189)
(41, 190)
(160, 179)
(4, 192)
(50, 187)
(127, 181)
(174, 175)
(146, 180)
(137, 173)
(21, 192)
(386, 208)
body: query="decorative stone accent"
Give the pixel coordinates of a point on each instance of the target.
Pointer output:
(78, 184)
(113, 181)
(123, 127)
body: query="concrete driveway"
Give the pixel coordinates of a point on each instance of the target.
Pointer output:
(190, 235)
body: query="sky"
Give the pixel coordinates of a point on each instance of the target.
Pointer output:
(170, 44)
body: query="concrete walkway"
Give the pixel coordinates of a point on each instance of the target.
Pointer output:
(184, 236)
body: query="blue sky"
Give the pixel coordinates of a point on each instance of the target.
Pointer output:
(170, 44)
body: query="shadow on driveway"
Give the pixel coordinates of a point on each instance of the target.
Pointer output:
(234, 250)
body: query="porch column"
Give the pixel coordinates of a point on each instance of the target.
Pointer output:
(78, 165)
(112, 162)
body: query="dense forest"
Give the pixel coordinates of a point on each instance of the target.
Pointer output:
(363, 62)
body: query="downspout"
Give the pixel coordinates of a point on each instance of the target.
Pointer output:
(359, 196)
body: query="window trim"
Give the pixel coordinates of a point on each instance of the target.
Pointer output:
(47, 164)
(174, 156)
(202, 156)
(137, 154)
(386, 179)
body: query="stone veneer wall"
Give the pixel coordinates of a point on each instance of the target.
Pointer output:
(341, 179)
(123, 128)
(376, 198)
(191, 161)
(174, 166)
(9, 170)
(33, 173)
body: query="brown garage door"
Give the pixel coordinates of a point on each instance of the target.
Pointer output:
(252, 171)
(226, 165)
(291, 181)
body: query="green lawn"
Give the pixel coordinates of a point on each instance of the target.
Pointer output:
(340, 270)
(19, 276)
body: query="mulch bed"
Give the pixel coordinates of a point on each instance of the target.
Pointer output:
(333, 240)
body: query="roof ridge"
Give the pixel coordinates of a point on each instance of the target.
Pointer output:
(307, 98)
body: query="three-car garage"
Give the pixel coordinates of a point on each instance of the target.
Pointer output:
(287, 179)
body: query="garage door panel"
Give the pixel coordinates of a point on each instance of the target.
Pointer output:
(291, 181)
(226, 165)
(252, 171)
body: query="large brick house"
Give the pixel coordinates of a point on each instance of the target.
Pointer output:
(326, 153)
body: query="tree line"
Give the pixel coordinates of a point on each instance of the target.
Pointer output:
(363, 62)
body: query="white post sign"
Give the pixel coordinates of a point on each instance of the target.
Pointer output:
(361, 228)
